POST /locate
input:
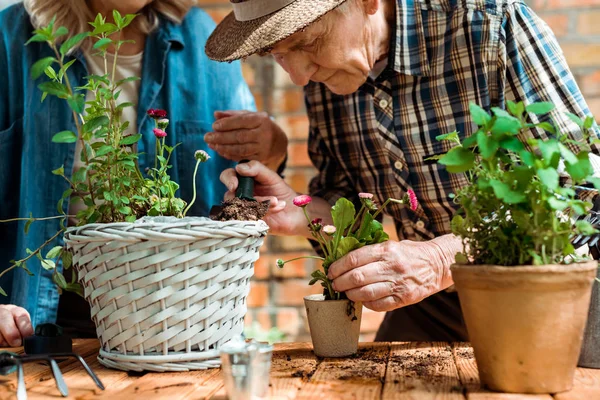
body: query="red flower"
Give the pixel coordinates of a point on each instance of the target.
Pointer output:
(412, 199)
(156, 113)
(302, 200)
(159, 133)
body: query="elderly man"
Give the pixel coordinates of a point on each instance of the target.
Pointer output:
(382, 79)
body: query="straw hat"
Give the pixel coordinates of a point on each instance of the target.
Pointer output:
(255, 25)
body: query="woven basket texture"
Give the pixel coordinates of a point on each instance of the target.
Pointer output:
(165, 293)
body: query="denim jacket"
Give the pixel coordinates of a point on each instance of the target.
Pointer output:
(176, 76)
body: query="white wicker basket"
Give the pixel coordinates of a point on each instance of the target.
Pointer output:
(165, 293)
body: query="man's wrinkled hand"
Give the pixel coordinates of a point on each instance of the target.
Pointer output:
(392, 274)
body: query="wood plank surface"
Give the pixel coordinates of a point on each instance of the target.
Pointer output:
(586, 386)
(421, 371)
(469, 378)
(292, 366)
(379, 371)
(357, 377)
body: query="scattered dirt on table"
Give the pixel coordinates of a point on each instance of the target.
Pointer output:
(242, 210)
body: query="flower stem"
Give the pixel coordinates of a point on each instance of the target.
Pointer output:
(390, 200)
(194, 186)
(356, 218)
(302, 257)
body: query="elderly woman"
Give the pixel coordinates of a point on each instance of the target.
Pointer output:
(382, 79)
(168, 54)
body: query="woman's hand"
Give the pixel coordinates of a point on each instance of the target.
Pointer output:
(283, 217)
(391, 275)
(15, 325)
(240, 135)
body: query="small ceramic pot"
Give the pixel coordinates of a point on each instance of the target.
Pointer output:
(334, 333)
(525, 323)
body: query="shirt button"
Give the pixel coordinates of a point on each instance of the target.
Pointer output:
(420, 224)
(383, 103)
(398, 165)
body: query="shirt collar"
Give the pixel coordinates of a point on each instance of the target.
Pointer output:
(171, 32)
(408, 49)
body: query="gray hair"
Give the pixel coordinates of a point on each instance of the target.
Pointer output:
(75, 14)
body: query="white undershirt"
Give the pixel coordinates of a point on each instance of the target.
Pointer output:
(126, 66)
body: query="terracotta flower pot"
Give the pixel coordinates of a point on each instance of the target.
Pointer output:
(333, 332)
(525, 323)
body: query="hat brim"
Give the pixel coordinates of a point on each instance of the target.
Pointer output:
(233, 39)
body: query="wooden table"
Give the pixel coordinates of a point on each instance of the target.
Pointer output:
(379, 371)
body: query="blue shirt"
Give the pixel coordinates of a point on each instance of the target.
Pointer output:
(176, 76)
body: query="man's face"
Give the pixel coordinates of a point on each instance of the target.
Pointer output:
(333, 50)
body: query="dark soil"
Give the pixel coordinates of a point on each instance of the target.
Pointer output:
(242, 210)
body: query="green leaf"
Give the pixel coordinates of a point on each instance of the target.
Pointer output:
(67, 259)
(105, 28)
(557, 204)
(588, 123)
(59, 171)
(550, 151)
(27, 226)
(342, 213)
(64, 137)
(506, 124)
(61, 31)
(77, 103)
(130, 218)
(80, 175)
(40, 66)
(38, 37)
(575, 119)
(48, 265)
(567, 154)
(102, 43)
(59, 279)
(479, 115)
(95, 123)
(549, 177)
(512, 143)
(346, 245)
(505, 193)
(54, 88)
(540, 108)
(585, 228)
(581, 169)
(2, 292)
(516, 109)
(487, 145)
(108, 196)
(124, 200)
(105, 149)
(128, 79)
(125, 210)
(595, 181)
(548, 127)
(72, 42)
(131, 139)
(458, 159)
(54, 252)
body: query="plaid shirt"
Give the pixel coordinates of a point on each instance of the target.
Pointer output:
(444, 55)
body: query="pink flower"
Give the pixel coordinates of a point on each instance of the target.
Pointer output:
(156, 113)
(302, 200)
(159, 133)
(363, 195)
(412, 199)
(329, 229)
(315, 224)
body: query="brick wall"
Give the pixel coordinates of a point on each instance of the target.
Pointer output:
(276, 295)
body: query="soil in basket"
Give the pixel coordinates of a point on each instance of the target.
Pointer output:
(242, 210)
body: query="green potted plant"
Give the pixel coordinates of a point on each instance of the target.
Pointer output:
(523, 290)
(333, 319)
(165, 290)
